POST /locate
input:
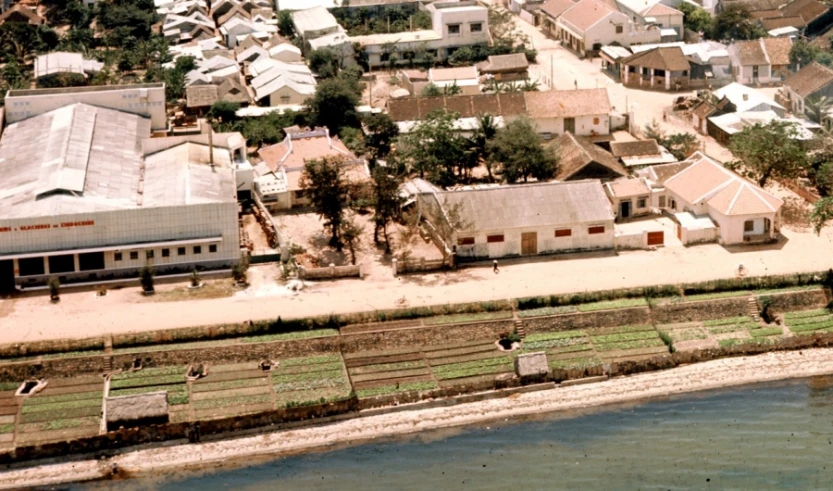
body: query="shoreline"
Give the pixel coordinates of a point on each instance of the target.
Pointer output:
(715, 374)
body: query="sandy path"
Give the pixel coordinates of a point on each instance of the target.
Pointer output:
(702, 376)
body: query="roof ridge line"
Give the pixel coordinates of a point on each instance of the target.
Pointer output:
(756, 193)
(734, 199)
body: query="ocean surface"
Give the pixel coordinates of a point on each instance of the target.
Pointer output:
(773, 436)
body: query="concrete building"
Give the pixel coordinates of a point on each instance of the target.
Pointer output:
(745, 99)
(87, 195)
(146, 100)
(582, 159)
(276, 83)
(761, 61)
(506, 68)
(65, 62)
(813, 80)
(630, 196)
(466, 78)
(659, 68)
(520, 220)
(454, 24)
(639, 153)
(584, 112)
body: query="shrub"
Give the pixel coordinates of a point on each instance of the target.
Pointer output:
(239, 270)
(195, 278)
(146, 278)
(666, 338)
(54, 289)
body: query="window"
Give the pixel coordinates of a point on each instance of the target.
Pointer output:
(454, 29)
(284, 99)
(749, 226)
(134, 255)
(166, 253)
(212, 248)
(619, 29)
(659, 73)
(384, 57)
(673, 204)
(595, 120)
(641, 202)
(662, 201)
(149, 254)
(600, 229)
(197, 249)
(494, 238)
(180, 251)
(117, 256)
(477, 27)
(465, 241)
(564, 232)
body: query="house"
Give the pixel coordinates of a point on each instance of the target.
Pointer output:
(762, 61)
(20, 13)
(630, 197)
(743, 212)
(314, 22)
(182, 29)
(584, 112)
(813, 80)
(815, 16)
(722, 127)
(200, 98)
(65, 62)
(277, 177)
(549, 13)
(660, 68)
(454, 24)
(653, 13)
(506, 68)
(521, 220)
(286, 52)
(638, 153)
(745, 99)
(279, 84)
(407, 112)
(212, 71)
(582, 159)
(238, 28)
(466, 78)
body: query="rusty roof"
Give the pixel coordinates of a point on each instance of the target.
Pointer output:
(779, 22)
(778, 50)
(505, 63)
(669, 58)
(567, 103)
(751, 52)
(578, 152)
(809, 79)
(636, 148)
(554, 8)
(808, 10)
(467, 106)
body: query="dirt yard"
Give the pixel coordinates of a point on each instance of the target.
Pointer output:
(306, 230)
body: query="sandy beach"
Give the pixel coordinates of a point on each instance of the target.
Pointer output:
(690, 378)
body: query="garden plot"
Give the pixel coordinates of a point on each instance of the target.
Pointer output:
(688, 336)
(809, 321)
(733, 331)
(470, 363)
(565, 349)
(66, 408)
(378, 374)
(170, 379)
(310, 380)
(627, 342)
(8, 414)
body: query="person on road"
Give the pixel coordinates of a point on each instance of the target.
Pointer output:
(494, 267)
(575, 82)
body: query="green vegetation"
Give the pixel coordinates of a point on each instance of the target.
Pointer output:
(716, 295)
(809, 321)
(726, 343)
(389, 367)
(539, 312)
(74, 396)
(627, 336)
(150, 372)
(575, 363)
(291, 377)
(56, 406)
(613, 304)
(309, 360)
(560, 339)
(765, 331)
(742, 319)
(393, 389)
(65, 424)
(625, 345)
(287, 336)
(459, 318)
(144, 381)
(229, 384)
(685, 334)
(232, 401)
(807, 313)
(4, 386)
(472, 368)
(175, 388)
(7, 428)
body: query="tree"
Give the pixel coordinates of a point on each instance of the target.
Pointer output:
(431, 90)
(286, 27)
(803, 52)
(260, 131)
(653, 131)
(224, 111)
(324, 184)
(695, 18)
(386, 203)
(817, 107)
(480, 140)
(518, 149)
(146, 279)
(324, 62)
(770, 150)
(735, 22)
(334, 105)
(353, 139)
(452, 89)
(433, 149)
(822, 214)
(681, 145)
(824, 179)
(351, 234)
(380, 132)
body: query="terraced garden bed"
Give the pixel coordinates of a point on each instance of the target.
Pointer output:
(545, 341)
(613, 304)
(576, 363)
(307, 380)
(545, 311)
(385, 390)
(462, 318)
(807, 322)
(489, 366)
(288, 336)
(169, 379)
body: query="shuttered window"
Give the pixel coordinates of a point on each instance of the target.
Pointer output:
(596, 230)
(564, 232)
(494, 238)
(465, 241)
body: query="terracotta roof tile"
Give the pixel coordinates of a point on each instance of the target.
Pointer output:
(554, 8)
(587, 13)
(505, 63)
(808, 10)
(567, 103)
(670, 58)
(750, 52)
(778, 50)
(577, 152)
(779, 22)
(635, 148)
(809, 79)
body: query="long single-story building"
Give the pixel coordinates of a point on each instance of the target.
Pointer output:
(521, 220)
(87, 195)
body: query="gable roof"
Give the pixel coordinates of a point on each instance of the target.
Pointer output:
(772, 23)
(232, 90)
(669, 58)
(297, 148)
(745, 98)
(314, 19)
(453, 73)
(751, 52)
(529, 205)
(467, 106)
(636, 148)
(707, 181)
(504, 63)
(554, 8)
(586, 14)
(200, 95)
(578, 152)
(567, 103)
(660, 173)
(659, 9)
(778, 50)
(19, 11)
(809, 79)
(808, 10)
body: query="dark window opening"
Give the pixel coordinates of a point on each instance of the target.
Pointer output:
(477, 27)
(564, 232)
(180, 251)
(149, 254)
(465, 241)
(117, 256)
(91, 261)
(454, 29)
(134, 255)
(166, 252)
(31, 266)
(212, 248)
(596, 230)
(62, 264)
(749, 226)
(197, 249)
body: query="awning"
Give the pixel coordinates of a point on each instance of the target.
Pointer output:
(122, 247)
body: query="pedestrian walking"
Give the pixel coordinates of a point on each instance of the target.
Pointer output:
(494, 267)
(575, 82)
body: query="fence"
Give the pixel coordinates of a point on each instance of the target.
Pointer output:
(634, 240)
(800, 190)
(415, 265)
(264, 218)
(330, 272)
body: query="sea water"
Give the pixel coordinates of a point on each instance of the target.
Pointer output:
(773, 436)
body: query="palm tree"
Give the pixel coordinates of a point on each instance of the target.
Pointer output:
(483, 134)
(817, 108)
(529, 86)
(452, 89)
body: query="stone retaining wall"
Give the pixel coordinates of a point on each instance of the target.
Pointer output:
(583, 320)
(421, 336)
(699, 311)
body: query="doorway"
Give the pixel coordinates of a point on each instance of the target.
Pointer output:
(529, 243)
(625, 209)
(570, 125)
(6, 276)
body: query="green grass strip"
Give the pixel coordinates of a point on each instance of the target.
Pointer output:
(230, 384)
(309, 360)
(232, 401)
(289, 336)
(460, 318)
(725, 343)
(625, 345)
(309, 385)
(177, 398)
(75, 396)
(393, 389)
(571, 349)
(728, 320)
(626, 336)
(576, 363)
(150, 372)
(764, 332)
(547, 336)
(292, 377)
(34, 408)
(543, 311)
(148, 389)
(809, 320)
(602, 331)
(389, 367)
(818, 326)
(7, 428)
(470, 368)
(717, 295)
(4, 386)
(140, 382)
(65, 424)
(613, 304)
(807, 313)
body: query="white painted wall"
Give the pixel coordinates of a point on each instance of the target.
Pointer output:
(547, 242)
(585, 125)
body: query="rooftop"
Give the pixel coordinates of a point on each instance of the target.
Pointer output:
(399, 37)
(634, 148)
(313, 19)
(745, 98)
(578, 152)
(808, 10)
(778, 50)
(554, 8)
(466, 106)
(669, 58)
(751, 52)
(627, 187)
(453, 73)
(567, 103)
(732, 123)
(530, 205)
(587, 13)
(809, 79)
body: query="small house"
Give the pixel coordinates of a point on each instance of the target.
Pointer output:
(582, 159)
(813, 80)
(506, 68)
(664, 68)
(631, 197)
(638, 153)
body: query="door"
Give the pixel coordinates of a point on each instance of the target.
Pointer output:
(529, 243)
(656, 238)
(625, 209)
(755, 73)
(6, 276)
(679, 231)
(570, 125)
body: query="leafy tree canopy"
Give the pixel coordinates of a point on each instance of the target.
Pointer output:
(770, 151)
(518, 150)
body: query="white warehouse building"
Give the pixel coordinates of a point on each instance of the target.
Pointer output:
(87, 195)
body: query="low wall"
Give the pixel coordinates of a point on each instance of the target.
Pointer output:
(582, 320)
(629, 241)
(700, 311)
(417, 265)
(330, 272)
(804, 300)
